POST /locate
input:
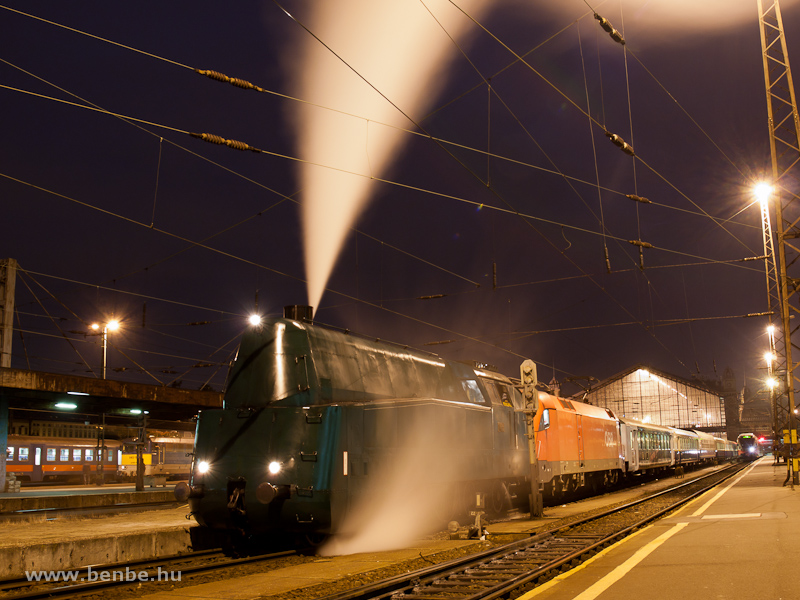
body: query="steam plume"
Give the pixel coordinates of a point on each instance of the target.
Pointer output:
(400, 49)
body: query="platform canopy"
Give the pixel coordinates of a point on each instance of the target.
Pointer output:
(656, 397)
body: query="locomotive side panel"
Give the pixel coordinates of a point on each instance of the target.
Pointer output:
(575, 439)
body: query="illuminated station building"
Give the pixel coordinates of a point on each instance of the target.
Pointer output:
(657, 397)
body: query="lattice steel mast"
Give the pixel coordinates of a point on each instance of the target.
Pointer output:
(784, 133)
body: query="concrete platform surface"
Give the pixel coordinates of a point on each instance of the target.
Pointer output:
(739, 541)
(65, 544)
(38, 498)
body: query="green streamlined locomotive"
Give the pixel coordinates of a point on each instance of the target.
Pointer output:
(319, 426)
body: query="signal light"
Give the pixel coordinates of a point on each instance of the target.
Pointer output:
(528, 376)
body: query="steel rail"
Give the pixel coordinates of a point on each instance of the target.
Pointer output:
(403, 586)
(66, 589)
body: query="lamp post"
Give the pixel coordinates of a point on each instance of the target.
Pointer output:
(112, 325)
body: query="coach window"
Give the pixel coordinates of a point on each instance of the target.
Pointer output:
(23, 455)
(89, 454)
(10, 453)
(51, 454)
(111, 456)
(63, 454)
(76, 455)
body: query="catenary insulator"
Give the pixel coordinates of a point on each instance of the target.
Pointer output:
(640, 243)
(622, 144)
(216, 75)
(638, 198)
(606, 25)
(216, 139)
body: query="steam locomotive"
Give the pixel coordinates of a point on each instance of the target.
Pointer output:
(319, 426)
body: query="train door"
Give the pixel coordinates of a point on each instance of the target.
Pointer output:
(579, 428)
(505, 438)
(634, 461)
(36, 473)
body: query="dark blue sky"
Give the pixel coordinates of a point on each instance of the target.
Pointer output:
(104, 216)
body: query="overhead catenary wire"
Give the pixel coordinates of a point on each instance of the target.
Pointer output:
(242, 146)
(387, 181)
(228, 169)
(518, 58)
(512, 211)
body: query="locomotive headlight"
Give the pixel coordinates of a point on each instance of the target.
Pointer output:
(203, 466)
(274, 467)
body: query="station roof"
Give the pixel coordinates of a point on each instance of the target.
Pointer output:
(38, 392)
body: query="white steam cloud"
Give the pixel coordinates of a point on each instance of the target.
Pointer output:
(399, 48)
(412, 485)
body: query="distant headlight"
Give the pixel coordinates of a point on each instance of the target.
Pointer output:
(752, 450)
(203, 466)
(274, 467)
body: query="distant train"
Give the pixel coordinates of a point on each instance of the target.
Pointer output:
(37, 459)
(748, 446)
(315, 421)
(163, 456)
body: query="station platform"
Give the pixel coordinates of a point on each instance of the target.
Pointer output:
(81, 496)
(733, 542)
(58, 544)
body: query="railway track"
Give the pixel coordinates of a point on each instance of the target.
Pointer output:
(83, 580)
(510, 570)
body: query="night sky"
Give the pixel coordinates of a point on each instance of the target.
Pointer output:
(182, 239)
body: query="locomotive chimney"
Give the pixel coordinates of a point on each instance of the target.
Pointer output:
(298, 312)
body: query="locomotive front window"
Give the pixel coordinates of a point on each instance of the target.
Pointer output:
(474, 394)
(544, 422)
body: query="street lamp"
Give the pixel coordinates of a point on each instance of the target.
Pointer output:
(112, 325)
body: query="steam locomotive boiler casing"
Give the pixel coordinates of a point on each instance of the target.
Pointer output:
(314, 418)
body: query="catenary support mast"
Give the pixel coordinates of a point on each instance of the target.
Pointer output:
(784, 134)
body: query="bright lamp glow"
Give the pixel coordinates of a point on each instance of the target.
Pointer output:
(113, 325)
(254, 320)
(203, 466)
(66, 405)
(274, 467)
(762, 191)
(769, 357)
(771, 383)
